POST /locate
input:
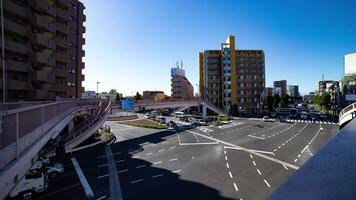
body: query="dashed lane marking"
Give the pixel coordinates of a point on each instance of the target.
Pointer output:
(236, 188)
(158, 175)
(172, 147)
(140, 166)
(147, 154)
(230, 174)
(267, 183)
(156, 163)
(119, 161)
(122, 171)
(259, 172)
(103, 176)
(103, 165)
(173, 159)
(285, 167)
(101, 198)
(137, 181)
(227, 165)
(177, 171)
(161, 150)
(261, 138)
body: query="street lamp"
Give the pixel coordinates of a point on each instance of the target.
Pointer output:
(97, 90)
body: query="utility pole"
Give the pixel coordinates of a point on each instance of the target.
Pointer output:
(4, 70)
(97, 90)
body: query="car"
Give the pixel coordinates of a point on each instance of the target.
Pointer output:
(162, 120)
(201, 122)
(147, 115)
(172, 124)
(266, 119)
(53, 169)
(323, 116)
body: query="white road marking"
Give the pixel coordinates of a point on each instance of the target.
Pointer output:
(158, 175)
(103, 165)
(251, 156)
(103, 156)
(101, 198)
(136, 181)
(103, 176)
(117, 153)
(254, 163)
(285, 167)
(224, 151)
(225, 157)
(201, 143)
(119, 161)
(122, 171)
(230, 174)
(135, 156)
(147, 154)
(176, 171)
(267, 183)
(227, 165)
(252, 150)
(156, 163)
(140, 166)
(261, 138)
(87, 189)
(173, 159)
(161, 150)
(299, 156)
(235, 186)
(248, 150)
(172, 147)
(295, 160)
(258, 171)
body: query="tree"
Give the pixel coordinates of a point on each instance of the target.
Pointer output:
(118, 97)
(325, 101)
(269, 102)
(138, 96)
(112, 91)
(285, 100)
(276, 101)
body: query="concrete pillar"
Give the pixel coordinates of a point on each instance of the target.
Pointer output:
(204, 112)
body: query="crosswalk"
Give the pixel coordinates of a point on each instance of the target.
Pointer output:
(309, 121)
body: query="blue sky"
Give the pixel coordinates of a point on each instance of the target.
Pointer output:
(132, 44)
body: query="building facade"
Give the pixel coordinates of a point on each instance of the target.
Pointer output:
(43, 49)
(293, 91)
(180, 85)
(153, 95)
(348, 83)
(232, 77)
(280, 86)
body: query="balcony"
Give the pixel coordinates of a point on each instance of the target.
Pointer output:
(15, 27)
(59, 87)
(41, 57)
(61, 58)
(17, 85)
(16, 46)
(42, 75)
(62, 14)
(43, 40)
(40, 94)
(62, 28)
(61, 42)
(14, 8)
(60, 72)
(17, 66)
(43, 6)
(42, 22)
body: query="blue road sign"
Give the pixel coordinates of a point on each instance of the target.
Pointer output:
(127, 104)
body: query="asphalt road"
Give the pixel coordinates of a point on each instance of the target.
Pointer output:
(246, 159)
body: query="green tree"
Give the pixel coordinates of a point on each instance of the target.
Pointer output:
(269, 102)
(325, 101)
(138, 96)
(285, 100)
(112, 91)
(276, 101)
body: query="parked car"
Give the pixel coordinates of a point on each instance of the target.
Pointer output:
(201, 122)
(162, 120)
(53, 169)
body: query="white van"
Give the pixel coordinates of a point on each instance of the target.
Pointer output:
(34, 181)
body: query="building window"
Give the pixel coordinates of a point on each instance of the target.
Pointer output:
(75, 7)
(73, 19)
(73, 31)
(72, 44)
(73, 58)
(72, 71)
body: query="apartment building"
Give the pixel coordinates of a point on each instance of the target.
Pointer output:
(293, 91)
(43, 45)
(280, 87)
(153, 95)
(181, 88)
(230, 76)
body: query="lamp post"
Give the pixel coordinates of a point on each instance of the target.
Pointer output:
(97, 90)
(4, 71)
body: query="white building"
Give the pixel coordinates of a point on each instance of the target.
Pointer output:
(349, 79)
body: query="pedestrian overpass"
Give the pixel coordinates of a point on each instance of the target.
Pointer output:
(347, 114)
(179, 104)
(25, 128)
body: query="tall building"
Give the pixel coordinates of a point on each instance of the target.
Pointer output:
(180, 86)
(293, 91)
(153, 95)
(230, 76)
(280, 86)
(43, 49)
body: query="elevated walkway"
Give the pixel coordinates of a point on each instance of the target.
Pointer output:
(25, 131)
(347, 114)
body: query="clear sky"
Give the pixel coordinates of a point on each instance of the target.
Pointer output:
(132, 44)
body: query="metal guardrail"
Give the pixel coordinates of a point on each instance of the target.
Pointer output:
(346, 109)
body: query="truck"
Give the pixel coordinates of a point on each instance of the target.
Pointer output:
(35, 181)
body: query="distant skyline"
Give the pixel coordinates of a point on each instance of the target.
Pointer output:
(132, 44)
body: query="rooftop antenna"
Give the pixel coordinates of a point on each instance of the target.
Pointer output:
(323, 77)
(181, 64)
(177, 64)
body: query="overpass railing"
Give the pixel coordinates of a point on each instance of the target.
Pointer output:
(345, 113)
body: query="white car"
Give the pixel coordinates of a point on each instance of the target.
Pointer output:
(266, 119)
(53, 169)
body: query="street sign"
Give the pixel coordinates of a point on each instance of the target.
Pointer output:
(127, 104)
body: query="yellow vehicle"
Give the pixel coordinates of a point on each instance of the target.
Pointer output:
(222, 118)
